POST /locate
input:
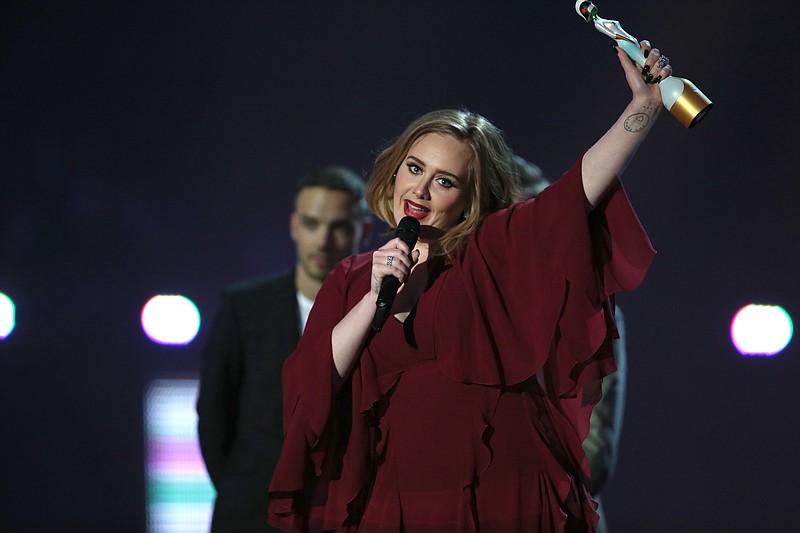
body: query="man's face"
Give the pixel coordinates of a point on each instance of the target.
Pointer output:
(326, 228)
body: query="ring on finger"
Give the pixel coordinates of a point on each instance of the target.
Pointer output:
(389, 260)
(663, 61)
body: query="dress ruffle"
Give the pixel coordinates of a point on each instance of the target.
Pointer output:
(552, 273)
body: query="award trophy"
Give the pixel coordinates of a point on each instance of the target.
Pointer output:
(680, 96)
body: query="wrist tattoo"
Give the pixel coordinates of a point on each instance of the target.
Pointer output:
(636, 122)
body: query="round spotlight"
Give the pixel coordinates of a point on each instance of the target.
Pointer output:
(170, 319)
(7, 314)
(761, 330)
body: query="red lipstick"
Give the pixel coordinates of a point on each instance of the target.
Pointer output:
(415, 210)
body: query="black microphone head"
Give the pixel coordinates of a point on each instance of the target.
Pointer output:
(408, 230)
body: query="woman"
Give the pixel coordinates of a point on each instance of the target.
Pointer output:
(467, 411)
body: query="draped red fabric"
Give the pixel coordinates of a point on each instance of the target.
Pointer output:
(470, 415)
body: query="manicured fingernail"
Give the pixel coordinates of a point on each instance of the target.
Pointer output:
(614, 47)
(645, 70)
(646, 53)
(658, 79)
(649, 78)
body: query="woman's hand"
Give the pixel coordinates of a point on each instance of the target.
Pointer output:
(349, 334)
(644, 81)
(392, 259)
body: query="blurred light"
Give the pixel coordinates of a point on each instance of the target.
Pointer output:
(180, 496)
(170, 319)
(761, 329)
(6, 316)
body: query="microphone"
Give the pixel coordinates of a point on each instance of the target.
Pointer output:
(407, 230)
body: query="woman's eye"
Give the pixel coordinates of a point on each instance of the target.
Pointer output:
(414, 169)
(444, 182)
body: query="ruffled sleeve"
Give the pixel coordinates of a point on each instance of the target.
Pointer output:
(533, 289)
(310, 490)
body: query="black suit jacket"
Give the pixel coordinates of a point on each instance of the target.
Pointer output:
(239, 403)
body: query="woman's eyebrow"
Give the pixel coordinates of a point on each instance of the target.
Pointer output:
(422, 163)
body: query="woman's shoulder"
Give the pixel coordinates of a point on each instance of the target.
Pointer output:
(548, 206)
(498, 221)
(355, 265)
(350, 275)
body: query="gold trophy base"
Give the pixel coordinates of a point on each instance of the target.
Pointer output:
(691, 106)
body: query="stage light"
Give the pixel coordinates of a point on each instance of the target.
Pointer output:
(761, 330)
(6, 316)
(170, 319)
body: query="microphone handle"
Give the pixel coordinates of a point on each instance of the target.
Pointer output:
(383, 306)
(407, 231)
(388, 291)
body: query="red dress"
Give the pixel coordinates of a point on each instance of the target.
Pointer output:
(470, 415)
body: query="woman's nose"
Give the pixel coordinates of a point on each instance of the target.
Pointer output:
(421, 190)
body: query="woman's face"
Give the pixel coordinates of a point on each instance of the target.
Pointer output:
(431, 183)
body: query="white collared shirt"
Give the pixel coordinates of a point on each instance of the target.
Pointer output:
(304, 304)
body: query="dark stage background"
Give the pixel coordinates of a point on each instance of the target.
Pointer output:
(152, 148)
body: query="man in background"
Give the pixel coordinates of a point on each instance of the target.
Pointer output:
(258, 326)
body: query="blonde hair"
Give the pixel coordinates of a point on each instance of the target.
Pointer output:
(493, 182)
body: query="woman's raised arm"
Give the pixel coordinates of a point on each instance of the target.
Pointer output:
(606, 160)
